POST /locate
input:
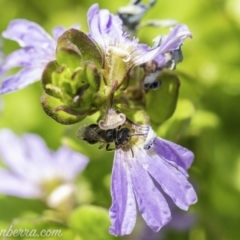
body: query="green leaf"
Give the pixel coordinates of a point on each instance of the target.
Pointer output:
(9, 207)
(60, 113)
(91, 222)
(78, 42)
(161, 103)
(175, 127)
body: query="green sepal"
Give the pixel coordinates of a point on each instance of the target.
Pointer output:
(161, 103)
(78, 42)
(76, 89)
(86, 78)
(47, 79)
(91, 222)
(68, 57)
(61, 113)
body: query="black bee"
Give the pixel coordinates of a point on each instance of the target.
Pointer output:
(94, 134)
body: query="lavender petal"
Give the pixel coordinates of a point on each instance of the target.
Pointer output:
(22, 79)
(173, 182)
(57, 32)
(68, 163)
(175, 154)
(103, 25)
(12, 185)
(21, 58)
(27, 34)
(151, 202)
(123, 209)
(147, 54)
(175, 39)
(27, 157)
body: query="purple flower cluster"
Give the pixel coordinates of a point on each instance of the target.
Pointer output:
(38, 48)
(141, 173)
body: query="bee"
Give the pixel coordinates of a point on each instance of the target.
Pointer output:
(93, 134)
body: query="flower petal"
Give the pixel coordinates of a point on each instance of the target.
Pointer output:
(23, 160)
(147, 54)
(12, 185)
(28, 34)
(22, 79)
(123, 210)
(173, 182)
(38, 156)
(57, 32)
(176, 155)
(23, 58)
(14, 160)
(103, 25)
(175, 39)
(151, 202)
(68, 163)
(38, 49)
(37, 148)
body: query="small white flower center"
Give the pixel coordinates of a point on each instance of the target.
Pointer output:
(112, 120)
(60, 194)
(126, 56)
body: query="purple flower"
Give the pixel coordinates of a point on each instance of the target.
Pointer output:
(171, 42)
(133, 172)
(37, 49)
(32, 168)
(170, 53)
(122, 52)
(106, 30)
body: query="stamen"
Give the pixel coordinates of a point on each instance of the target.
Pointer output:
(112, 120)
(119, 52)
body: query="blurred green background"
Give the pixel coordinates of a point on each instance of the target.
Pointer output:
(206, 120)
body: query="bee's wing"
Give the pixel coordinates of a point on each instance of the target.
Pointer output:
(81, 132)
(89, 134)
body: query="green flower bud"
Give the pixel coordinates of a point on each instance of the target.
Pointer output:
(72, 82)
(75, 90)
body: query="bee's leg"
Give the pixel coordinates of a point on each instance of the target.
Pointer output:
(102, 146)
(132, 152)
(109, 149)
